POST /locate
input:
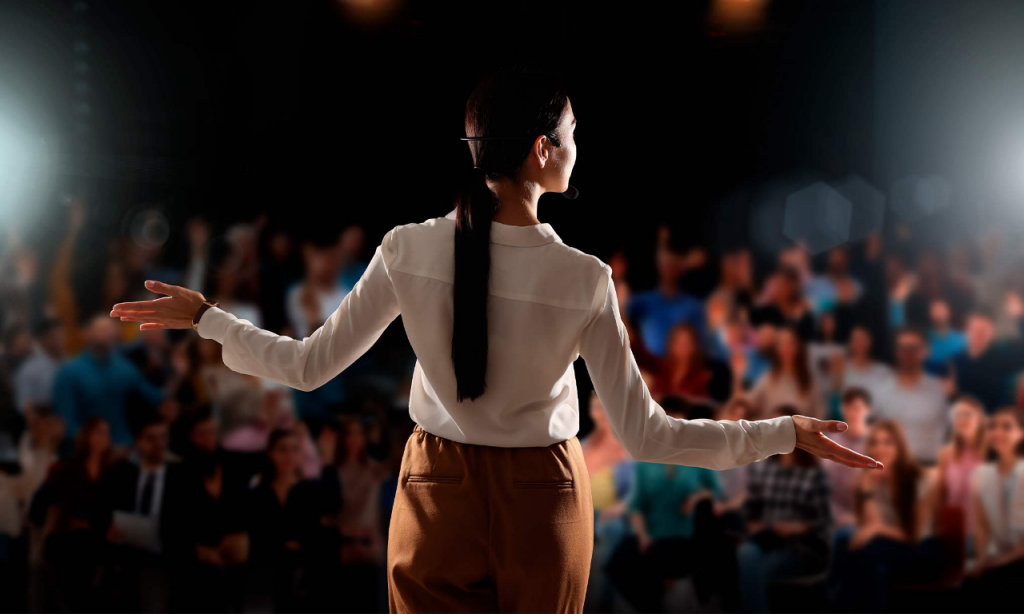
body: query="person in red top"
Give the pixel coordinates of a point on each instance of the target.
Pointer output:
(687, 372)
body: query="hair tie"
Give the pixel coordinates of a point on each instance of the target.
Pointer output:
(480, 170)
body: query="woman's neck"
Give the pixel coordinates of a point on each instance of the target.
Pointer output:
(518, 203)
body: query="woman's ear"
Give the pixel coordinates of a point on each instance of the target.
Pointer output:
(541, 148)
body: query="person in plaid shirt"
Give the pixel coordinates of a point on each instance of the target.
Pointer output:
(788, 516)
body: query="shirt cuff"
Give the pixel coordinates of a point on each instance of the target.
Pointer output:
(214, 324)
(778, 434)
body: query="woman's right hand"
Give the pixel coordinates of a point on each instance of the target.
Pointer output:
(810, 436)
(175, 310)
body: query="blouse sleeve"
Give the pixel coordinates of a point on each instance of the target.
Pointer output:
(352, 329)
(641, 424)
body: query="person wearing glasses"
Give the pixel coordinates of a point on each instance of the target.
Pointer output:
(494, 509)
(915, 399)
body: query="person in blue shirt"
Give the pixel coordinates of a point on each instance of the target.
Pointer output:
(656, 311)
(664, 504)
(945, 343)
(101, 382)
(352, 245)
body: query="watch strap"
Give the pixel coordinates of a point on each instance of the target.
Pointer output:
(199, 313)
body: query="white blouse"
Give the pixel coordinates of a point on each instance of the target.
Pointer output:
(549, 305)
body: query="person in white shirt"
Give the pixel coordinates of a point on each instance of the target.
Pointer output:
(915, 399)
(33, 382)
(860, 369)
(494, 510)
(997, 493)
(312, 301)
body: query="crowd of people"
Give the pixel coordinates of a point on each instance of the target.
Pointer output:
(139, 473)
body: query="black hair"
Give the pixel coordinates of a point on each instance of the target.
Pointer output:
(983, 311)
(143, 418)
(1018, 417)
(269, 472)
(676, 406)
(46, 325)
(911, 329)
(853, 393)
(507, 111)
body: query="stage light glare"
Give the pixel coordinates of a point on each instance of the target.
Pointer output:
(23, 163)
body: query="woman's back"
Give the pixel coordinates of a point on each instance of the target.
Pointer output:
(542, 294)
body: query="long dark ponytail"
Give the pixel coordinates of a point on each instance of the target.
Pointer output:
(504, 116)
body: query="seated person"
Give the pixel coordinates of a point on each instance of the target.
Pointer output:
(788, 516)
(663, 508)
(996, 486)
(892, 542)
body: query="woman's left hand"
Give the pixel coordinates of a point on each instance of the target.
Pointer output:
(810, 436)
(175, 310)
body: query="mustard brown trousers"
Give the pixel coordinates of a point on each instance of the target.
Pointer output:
(487, 529)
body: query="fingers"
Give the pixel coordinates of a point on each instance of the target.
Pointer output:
(153, 326)
(813, 425)
(132, 314)
(139, 305)
(148, 320)
(827, 426)
(833, 426)
(161, 288)
(847, 456)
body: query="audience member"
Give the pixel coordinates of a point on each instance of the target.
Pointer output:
(860, 369)
(893, 541)
(33, 380)
(959, 458)
(987, 368)
(656, 311)
(662, 504)
(72, 513)
(144, 488)
(915, 399)
(856, 410)
(100, 382)
(686, 370)
(997, 491)
(945, 343)
(611, 476)
(788, 518)
(789, 381)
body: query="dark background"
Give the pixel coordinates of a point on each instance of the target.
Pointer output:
(339, 111)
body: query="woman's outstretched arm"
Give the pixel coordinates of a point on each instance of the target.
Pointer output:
(307, 364)
(649, 434)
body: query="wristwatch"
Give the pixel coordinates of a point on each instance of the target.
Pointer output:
(199, 313)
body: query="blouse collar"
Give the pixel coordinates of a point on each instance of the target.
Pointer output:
(519, 236)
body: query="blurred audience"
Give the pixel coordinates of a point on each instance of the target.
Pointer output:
(137, 472)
